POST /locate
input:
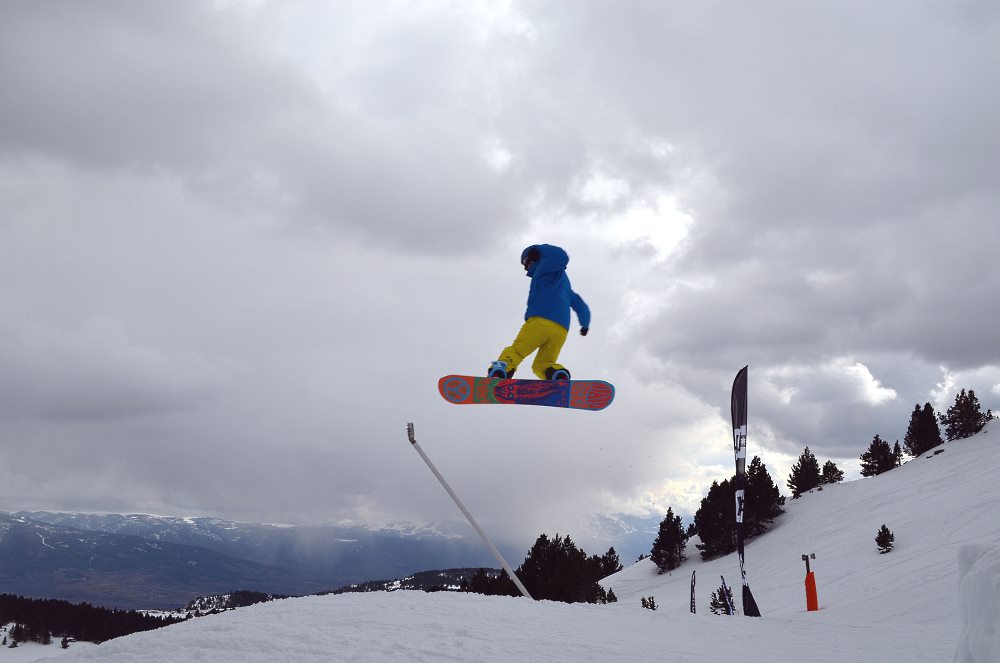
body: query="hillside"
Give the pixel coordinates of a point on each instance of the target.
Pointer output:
(902, 606)
(933, 504)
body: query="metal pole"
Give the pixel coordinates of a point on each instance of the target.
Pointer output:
(472, 521)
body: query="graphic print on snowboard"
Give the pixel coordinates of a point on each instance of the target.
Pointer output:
(576, 394)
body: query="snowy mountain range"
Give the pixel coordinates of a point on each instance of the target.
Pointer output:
(44, 560)
(144, 561)
(141, 561)
(631, 536)
(935, 597)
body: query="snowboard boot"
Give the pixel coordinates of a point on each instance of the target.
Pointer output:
(556, 374)
(498, 371)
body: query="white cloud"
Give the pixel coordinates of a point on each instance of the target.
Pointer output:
(984, 381)
(497, 156)
(664, 227)
(869, 389)
(600, 189)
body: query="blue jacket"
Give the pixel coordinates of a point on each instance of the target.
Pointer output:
(550, 295)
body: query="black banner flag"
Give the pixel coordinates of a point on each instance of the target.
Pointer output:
(692, 592)
(727, 596)
(739, 410)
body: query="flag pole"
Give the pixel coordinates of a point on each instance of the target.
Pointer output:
(461, 507)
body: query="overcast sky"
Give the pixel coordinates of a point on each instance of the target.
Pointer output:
(241, 241)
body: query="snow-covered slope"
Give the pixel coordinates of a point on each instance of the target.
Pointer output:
(413, 626)
(902, 606)
(933, 505)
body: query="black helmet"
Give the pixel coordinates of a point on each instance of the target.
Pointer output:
(529, 256)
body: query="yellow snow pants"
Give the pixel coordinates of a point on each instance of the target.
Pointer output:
(536, 334)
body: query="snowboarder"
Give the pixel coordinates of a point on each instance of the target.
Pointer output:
(547, 319)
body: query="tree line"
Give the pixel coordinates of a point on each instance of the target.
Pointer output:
(555, 569)
(39, 620)
(963, 419)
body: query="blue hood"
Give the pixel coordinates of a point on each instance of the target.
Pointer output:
(551, 295)
(551, 259)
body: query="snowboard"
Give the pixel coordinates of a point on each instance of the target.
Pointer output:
(576, 394)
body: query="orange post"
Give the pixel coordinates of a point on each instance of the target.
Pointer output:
(812, 600)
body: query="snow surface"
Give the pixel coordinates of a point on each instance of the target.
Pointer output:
(901, 606)
(27, 652)
(979, 570)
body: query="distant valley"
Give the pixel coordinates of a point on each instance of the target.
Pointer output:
(145, 562)
(139, 561)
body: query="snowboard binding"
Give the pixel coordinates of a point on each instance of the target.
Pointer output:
(498, 371)
(556, 374)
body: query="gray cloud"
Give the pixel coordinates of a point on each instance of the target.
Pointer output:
(242, 243)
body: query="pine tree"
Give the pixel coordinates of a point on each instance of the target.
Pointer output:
(649, 603)
(805, 474)
(885, 539)
(878, 459)
(721, 599)
(923, 432)
(715, 521)
(914, 439)
(609, 563)
(931, 430)
(556, 570)
(965, 418)
(668, 548)
(763, 502)
(831, 473)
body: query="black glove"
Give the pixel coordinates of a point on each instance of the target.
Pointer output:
(584, 330)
